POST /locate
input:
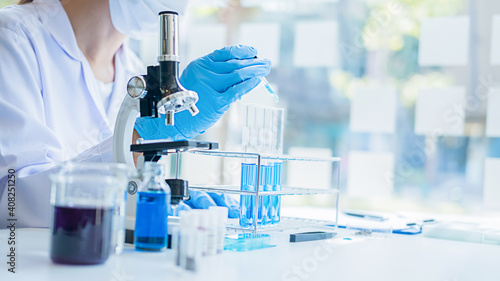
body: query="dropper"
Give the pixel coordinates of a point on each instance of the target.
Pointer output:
(268, 87)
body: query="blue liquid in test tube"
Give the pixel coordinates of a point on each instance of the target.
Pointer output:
(275, 210)
(266, 184)
(248, 183)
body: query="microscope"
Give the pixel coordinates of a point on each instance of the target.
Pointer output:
(157, 92)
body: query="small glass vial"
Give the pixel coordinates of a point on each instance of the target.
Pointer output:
(153, 203)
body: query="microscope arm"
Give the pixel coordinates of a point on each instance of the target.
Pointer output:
(122, 140)
(124, 128)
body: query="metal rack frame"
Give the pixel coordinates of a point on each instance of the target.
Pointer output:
(285, 189)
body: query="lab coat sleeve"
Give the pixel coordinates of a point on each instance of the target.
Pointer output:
(27, 144)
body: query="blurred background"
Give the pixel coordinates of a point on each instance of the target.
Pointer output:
(405, 91)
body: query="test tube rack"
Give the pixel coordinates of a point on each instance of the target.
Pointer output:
(286, 222)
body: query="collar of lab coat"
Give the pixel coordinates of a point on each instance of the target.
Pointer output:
(54, 18)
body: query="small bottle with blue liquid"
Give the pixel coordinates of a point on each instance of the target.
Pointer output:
(153, 203)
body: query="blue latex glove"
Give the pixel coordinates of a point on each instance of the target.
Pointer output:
(203, 200)
(220, 79)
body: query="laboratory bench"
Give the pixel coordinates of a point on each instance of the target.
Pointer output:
(397, 257)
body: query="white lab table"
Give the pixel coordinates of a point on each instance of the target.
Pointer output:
(396, 258)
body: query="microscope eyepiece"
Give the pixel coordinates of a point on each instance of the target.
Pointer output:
(168, 12)
(174, 97)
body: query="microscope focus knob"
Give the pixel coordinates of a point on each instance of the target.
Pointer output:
(136, 87)
(194, 110)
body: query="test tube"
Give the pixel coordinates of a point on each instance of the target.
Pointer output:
(260, 125)
(249, 135)
(263, 133)
(175, 244)
(278, 126)
(202, 230)
(262, 117)
(267, 130)
(248, 183)
(268, 166)
(185, 233)
(194, 242)
(277, 148)
(248, 167)
(221, 215)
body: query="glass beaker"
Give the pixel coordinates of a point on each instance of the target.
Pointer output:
(88, 203)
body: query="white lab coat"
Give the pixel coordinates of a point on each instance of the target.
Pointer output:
(50, 107)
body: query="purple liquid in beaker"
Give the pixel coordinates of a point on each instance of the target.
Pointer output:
(81, 235)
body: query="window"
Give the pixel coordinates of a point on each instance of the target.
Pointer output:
(401, 90)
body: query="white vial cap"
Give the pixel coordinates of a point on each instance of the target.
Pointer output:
(185, 218)
(196, 218)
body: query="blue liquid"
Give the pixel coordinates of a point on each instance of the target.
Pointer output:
(275, 209)
(266, 184)
(151, 220)
(248, 183)
(269, 89)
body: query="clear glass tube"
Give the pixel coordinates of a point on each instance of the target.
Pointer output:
(248, 183)
(260, 125)
(248, 168)
(278, 129)
(250, 135)
(277, 148)
(221, 214)
(275, 208)
(262, 133)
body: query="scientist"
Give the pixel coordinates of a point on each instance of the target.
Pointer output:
(64, 67)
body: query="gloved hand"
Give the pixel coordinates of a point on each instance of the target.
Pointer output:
(220, 79)
(203, 200)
